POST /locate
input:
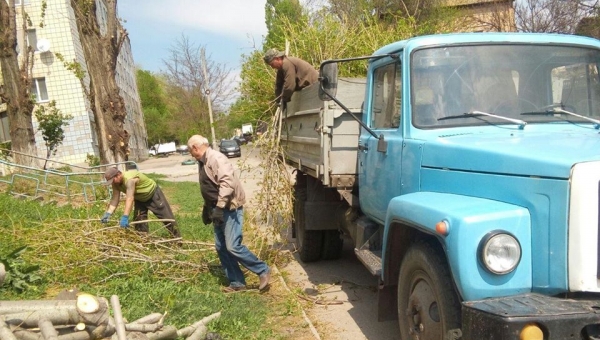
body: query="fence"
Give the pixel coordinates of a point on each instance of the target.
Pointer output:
(63, 181)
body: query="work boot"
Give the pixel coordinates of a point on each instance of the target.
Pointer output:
(264, 279)
(233, 289)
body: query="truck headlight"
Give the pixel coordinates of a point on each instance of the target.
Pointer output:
(500, 252)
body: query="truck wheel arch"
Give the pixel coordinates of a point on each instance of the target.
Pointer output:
(401, 236)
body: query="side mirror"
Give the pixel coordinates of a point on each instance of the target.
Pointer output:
(328, 80)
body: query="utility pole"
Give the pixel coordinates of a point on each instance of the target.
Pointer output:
(208, 100)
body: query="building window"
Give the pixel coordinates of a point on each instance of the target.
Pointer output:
(38, 89)
(32, 39)
(21, 2)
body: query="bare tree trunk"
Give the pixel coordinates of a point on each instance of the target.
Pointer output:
(101, 50)
(16, 89)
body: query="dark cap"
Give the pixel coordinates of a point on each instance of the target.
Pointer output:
(110, 175)
(272, 54)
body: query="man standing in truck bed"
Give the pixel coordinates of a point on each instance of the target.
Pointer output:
(293, 74)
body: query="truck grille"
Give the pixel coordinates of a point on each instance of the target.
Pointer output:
(584, 228)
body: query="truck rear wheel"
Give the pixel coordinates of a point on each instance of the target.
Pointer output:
(428, 306)
(332, 245)
(308, 242)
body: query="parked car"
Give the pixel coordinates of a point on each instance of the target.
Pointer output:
(230, 148)
(182, 149)
(241, 140)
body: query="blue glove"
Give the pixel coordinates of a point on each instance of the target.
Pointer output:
(105, 217)
(124, 223)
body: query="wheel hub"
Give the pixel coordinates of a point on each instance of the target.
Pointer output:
(423, 313)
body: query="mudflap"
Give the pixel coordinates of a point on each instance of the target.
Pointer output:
(505, 317)
(387, 303)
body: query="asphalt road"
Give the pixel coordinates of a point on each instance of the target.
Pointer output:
(345, 280)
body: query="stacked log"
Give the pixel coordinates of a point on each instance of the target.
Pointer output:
(2, 273)
(86, 317)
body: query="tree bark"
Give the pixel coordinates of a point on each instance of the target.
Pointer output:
(47, 329)
(62, 316)
(119, 323)
(168, 332)
(12, 307)
(2, 272)
(187, 331)
(16, 89)
(150, 318)
(101, 50)
(199, 333)
(22, 334)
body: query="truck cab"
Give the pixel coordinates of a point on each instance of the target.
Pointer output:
(472, 182)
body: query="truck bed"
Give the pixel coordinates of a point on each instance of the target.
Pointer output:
(319, 138)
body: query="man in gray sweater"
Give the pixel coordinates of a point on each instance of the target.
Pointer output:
(293, 74)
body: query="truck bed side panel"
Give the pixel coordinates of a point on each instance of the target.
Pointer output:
(319, 138)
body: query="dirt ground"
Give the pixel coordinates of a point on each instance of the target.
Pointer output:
(342, 293)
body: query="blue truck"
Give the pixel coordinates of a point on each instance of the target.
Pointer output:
(465, 169)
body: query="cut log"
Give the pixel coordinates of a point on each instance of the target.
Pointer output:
(47, 329)
(187, 331)
(150, 318)
(23, 334)
(5, 332)
(75, 336)
(168, 332)
(100, 317)
(10, 307)
(102, 331)
(136, 336)
(199, 333)
(66, 313)
(31, 319)
(2, 273)
(144, 328)
(87, 303)
(118, 316)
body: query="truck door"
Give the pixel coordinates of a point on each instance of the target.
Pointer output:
(380, 171)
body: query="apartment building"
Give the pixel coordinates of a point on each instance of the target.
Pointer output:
(53, 31)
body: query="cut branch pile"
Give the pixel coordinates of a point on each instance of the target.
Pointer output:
(87, 317)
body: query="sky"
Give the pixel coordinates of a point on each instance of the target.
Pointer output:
(226, 28)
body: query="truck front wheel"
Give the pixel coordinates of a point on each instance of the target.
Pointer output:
(428, 306)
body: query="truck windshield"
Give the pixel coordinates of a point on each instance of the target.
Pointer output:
(522, 82)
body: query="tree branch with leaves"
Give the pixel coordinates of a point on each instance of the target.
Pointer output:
(51, 122)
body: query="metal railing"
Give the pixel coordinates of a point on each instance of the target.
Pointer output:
(63, 180)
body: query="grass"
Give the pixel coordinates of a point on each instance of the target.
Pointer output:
(73, 249)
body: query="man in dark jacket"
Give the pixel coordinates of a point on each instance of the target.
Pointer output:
(224, 199)
(293, 74)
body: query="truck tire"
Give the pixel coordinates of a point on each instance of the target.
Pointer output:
(308, 242)
(333, 244)
(428, 306)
